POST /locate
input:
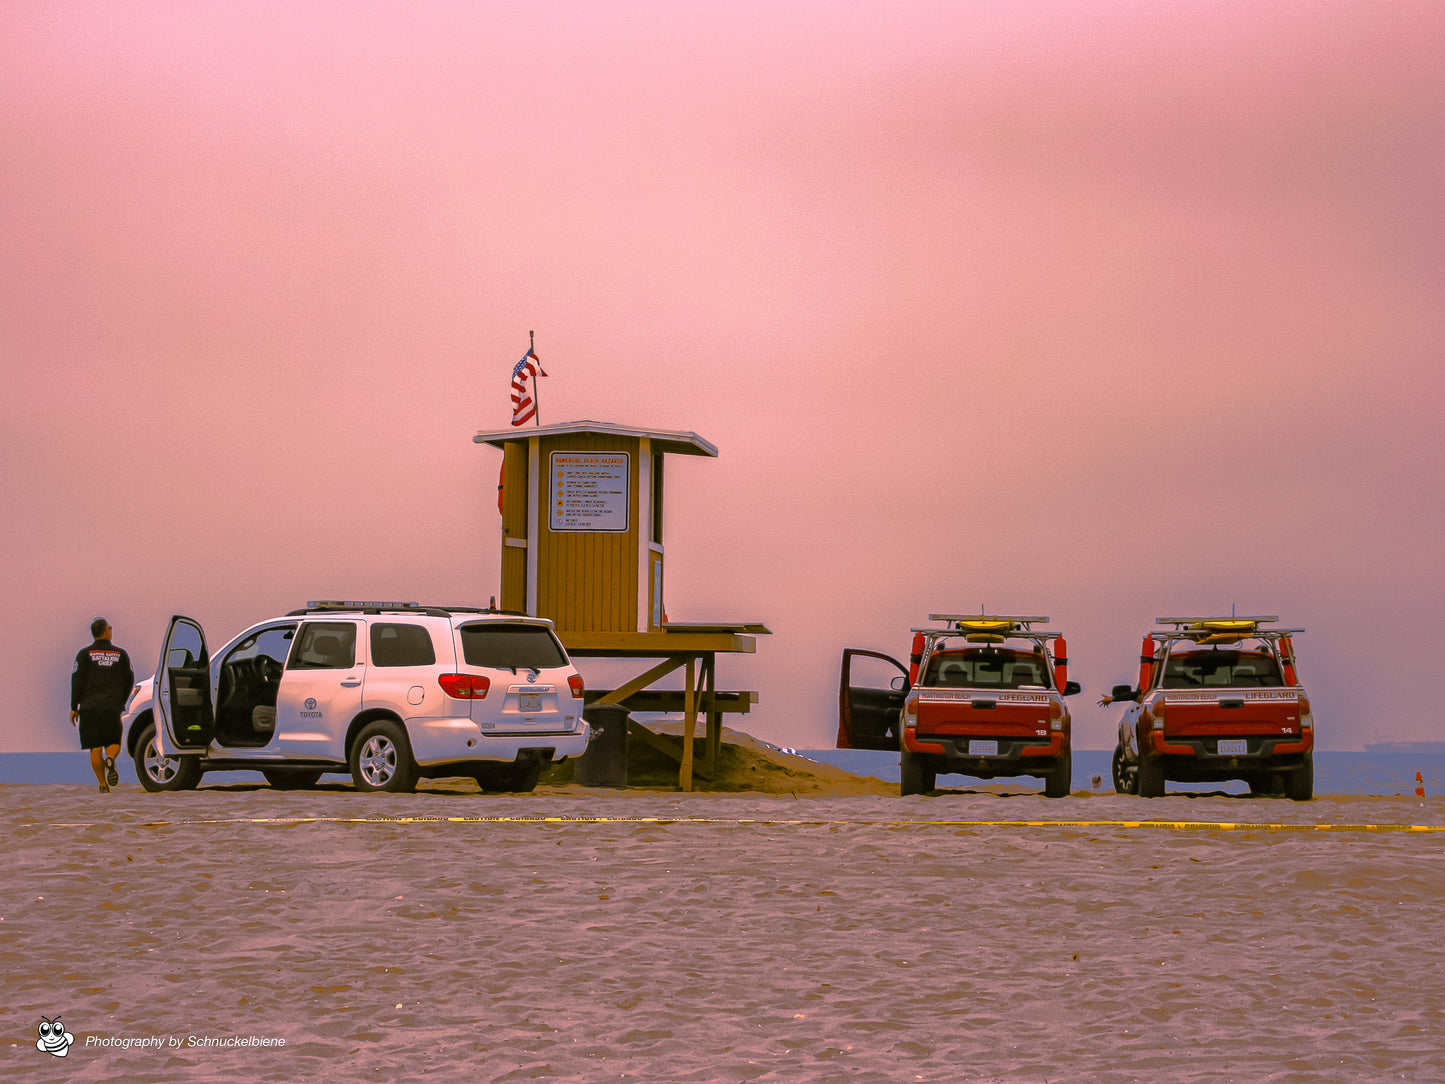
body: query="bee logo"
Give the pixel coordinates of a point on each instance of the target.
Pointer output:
(54, 1039)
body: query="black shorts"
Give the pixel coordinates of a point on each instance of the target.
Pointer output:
(99, 729)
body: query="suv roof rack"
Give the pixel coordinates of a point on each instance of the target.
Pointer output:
(324, 606)
(347, 606)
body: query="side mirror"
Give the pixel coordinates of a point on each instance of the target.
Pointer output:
(1123, 692)
(899, 683)
(1072, 687)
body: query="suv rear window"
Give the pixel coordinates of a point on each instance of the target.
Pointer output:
(324, 645)
(511, 647)
(401, 645)
(987, 668)
(1221, 669)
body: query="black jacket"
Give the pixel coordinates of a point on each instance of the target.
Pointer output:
(102, 678)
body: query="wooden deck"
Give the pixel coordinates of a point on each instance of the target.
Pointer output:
(692, 648)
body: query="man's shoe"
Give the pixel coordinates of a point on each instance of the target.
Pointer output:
(111, 775)
(104, 789)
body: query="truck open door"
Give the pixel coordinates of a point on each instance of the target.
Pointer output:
(868, 713)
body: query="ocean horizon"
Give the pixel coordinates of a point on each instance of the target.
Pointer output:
(1345, 773)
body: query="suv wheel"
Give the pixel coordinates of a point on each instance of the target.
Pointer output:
(508, 778)
(381, 759)
(159, 773)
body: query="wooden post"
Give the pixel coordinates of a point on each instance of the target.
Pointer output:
(713, 717)
(689, 721)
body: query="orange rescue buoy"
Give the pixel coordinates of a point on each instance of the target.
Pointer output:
(1286, 656)
(1146, 662)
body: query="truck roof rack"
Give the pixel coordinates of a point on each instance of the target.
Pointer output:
(988, 628)
(1219, 630)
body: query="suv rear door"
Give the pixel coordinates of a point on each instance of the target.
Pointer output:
(528, 671)
(320, 691)
(867, 714)
(183, 695)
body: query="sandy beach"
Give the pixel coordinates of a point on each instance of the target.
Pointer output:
(595, 935)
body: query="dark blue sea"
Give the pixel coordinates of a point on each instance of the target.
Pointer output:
(1335, 773)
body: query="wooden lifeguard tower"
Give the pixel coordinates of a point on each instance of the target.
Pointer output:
(581, 506)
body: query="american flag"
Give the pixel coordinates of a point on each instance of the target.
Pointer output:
(524, 387)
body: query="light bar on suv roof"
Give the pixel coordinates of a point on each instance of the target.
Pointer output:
(344, 604)
(326, 606)
(337, 606)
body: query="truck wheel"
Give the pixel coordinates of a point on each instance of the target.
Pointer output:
(1299, 785)
(160, 773)
(1150, 778)
(1126, 775)
(381, 759)
(1265, 784)
(292, 778)
(1058, 781)
(917, 775)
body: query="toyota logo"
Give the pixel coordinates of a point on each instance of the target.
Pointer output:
(311, 703)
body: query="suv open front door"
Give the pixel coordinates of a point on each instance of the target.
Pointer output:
(183, 697)
(867, 715)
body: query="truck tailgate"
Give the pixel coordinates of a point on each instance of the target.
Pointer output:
(982, 712)
(1240, 712)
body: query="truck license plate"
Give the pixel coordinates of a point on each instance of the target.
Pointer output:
(531, 703)
(983, 748)
(1233, 747)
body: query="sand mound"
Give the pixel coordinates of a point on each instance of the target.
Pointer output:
(744, 764)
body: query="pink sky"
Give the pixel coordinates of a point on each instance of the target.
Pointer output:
(1104, 311)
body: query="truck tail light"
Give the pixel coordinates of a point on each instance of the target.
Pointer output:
(1056, 714)
(1306, 720)
(910, 713)
(575, 681)
(1154, 712)
(465, 686)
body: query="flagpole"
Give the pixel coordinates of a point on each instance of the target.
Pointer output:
(536, 383)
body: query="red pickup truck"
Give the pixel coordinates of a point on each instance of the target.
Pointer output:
(1218, 698)
(981, 696)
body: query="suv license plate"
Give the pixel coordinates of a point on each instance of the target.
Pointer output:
(531, 703)
(1233, 747)
(983, 748)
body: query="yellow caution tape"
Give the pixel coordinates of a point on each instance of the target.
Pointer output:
(1175, 826)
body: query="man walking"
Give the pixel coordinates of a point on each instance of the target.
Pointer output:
(100, 685)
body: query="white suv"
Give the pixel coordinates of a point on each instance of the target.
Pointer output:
(389, 691)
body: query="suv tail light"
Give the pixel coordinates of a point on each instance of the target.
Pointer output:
(576, 682)
(465, 686)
